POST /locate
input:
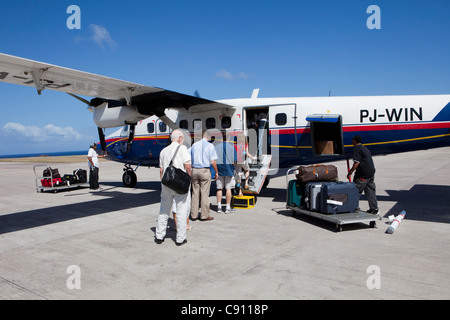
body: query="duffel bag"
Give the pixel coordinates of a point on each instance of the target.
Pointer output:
(49, 172)
(56, 182)
(81, 175)
(318, 172)
(71, 178)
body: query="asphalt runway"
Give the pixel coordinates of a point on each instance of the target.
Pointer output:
(79, 244)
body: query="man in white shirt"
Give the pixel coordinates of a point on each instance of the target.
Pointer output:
(182, 160)
(94, 166)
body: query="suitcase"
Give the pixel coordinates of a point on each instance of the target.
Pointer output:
(338, 197)
(296, 194)
(312, 195)
(317, 172)
(81, 175)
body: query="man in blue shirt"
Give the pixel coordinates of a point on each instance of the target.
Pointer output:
(203, 156)
(227, 157)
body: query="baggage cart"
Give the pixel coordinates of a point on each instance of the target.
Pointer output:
(52, 185)
(339, 220)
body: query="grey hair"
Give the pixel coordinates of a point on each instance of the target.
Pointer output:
(176, 134)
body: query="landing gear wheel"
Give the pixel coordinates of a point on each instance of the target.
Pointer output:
(373, 224)
(129, 178)
(339, 227)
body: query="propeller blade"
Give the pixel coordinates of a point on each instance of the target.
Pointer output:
(79, 98)
(101, 135)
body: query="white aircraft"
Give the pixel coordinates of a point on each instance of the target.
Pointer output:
(282, 131)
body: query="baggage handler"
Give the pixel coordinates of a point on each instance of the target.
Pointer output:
(94, 166)
(364, 173)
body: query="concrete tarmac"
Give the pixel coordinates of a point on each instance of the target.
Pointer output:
(79, 244)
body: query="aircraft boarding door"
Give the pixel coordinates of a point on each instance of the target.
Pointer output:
(257, 129)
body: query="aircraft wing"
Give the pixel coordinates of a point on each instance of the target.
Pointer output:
(43, 76)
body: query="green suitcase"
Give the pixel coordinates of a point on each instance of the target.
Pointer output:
(296, 194)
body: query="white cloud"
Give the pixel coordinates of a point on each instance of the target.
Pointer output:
(36, 134)
(228, 76)
(101, 37)
(224, 74)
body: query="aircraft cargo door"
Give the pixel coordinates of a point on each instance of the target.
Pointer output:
(326, 134)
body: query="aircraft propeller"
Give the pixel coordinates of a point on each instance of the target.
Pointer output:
(101, 134)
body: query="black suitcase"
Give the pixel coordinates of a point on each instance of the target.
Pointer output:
(81, 175)
(338, 197)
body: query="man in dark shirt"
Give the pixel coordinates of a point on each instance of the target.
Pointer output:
(365, 173)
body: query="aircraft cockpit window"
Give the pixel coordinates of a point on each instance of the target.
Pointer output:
(162, 127)
(226, 122)
(280, 119)
(150, 127)
(183, 124)
(210, 123)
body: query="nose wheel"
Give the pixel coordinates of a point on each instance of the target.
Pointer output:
(129, 177)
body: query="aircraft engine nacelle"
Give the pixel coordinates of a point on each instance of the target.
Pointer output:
(111, 117)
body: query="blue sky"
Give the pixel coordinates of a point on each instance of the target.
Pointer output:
(223, 49)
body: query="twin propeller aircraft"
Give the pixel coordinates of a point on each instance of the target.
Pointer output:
(282, 132)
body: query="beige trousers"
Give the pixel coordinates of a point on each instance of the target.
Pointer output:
(201, 184)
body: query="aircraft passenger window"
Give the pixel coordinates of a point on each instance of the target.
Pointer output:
(184, 124)
(210, 123)
(226, 122)
(150, 127)
(162, 127)
(281, 119)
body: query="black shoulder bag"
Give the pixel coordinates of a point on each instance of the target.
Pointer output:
(176, 179)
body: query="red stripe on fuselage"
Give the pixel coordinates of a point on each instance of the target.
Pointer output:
(346, 128)
(376, 127)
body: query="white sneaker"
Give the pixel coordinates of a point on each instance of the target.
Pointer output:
(219, 210)
(230, 210)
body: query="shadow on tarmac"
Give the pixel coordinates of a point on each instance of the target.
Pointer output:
(422, 202)
(113, 201)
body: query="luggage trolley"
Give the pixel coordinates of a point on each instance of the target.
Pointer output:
(338, 219)
(53, 186)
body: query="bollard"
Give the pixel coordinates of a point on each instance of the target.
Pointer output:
(396, 222)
